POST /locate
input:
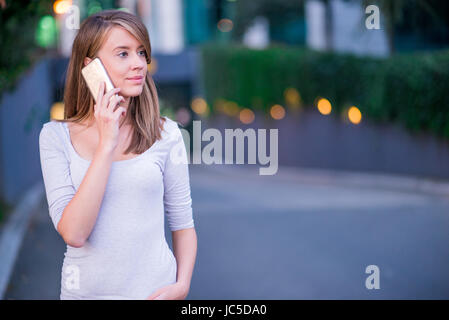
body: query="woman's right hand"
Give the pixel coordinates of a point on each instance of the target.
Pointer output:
(107, 119)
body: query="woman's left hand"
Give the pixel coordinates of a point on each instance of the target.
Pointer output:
(176, 291)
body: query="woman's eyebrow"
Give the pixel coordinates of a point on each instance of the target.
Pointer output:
(126, 47)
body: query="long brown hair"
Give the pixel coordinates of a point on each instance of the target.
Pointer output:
(143, 110)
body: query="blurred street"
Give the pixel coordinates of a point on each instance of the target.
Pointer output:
(286, 236)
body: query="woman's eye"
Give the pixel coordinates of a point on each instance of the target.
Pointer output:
(143, 53)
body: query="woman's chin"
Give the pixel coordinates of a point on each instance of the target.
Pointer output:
(132, 92)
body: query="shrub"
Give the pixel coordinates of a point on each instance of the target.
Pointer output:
(410, 89)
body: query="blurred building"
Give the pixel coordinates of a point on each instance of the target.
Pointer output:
(339, 25)
(178, 27)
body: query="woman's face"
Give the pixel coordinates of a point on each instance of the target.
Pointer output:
(124, 58)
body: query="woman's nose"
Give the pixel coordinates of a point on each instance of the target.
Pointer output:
(138, 62)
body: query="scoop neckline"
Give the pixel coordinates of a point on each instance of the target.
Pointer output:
(113, 162)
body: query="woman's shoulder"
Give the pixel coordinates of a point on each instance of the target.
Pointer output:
(171, 127)
(57, 125)
(51, 128)
(52, 133)
(171, 135)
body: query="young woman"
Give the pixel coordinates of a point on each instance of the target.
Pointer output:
(111, 170)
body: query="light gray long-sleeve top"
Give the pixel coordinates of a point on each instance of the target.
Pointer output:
(126, 255)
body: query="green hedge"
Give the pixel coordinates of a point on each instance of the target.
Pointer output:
(18, 23)
(410, 89)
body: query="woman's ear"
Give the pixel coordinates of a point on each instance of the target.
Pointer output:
(87, 60)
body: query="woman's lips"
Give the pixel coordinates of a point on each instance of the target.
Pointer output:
(136, 80)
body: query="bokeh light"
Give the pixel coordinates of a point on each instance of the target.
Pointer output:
(61, 6)
(57, 111)
(225, 25)
(183, 116)
(292, 98)
(246, 116)
(324, 106)
(354, 115)
(277, 112)
(231, 108)
(46, 32)
(199, 106)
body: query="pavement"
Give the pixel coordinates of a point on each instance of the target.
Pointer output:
(299, 234)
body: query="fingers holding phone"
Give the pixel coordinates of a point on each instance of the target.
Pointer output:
(107, 116)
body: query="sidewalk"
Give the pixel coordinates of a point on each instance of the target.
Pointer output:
(13, 231)
(36, 274)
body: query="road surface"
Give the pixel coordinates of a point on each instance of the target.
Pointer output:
(286, 237)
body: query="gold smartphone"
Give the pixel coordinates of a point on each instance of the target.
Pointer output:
(95, 73)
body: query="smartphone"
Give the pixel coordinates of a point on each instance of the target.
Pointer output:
(95, 73)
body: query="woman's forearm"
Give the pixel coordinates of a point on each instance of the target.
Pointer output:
(185, 249)
(80, 215)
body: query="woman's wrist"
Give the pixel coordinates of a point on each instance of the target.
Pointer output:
(184, 285)
(105, 151)
(107, 146)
